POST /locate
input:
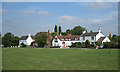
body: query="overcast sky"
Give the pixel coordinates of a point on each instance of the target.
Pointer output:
(23, 18)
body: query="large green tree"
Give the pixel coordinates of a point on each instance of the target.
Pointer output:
(115, 38)
(77, 30)
(54, 34)
(68, 31)
(15, 41)
(41, 38)
(7, 39)
(60, 29)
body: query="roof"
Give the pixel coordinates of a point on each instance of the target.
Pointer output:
(90, 34)
(25, 37)
(68, 37)
(101, 39)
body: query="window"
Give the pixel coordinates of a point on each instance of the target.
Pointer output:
(67, 38)
(83, 38)
(92, 37)
(76, 38)
(62, 38)
(56, 40)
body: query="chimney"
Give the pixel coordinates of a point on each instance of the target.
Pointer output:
(48, 31)
(29, 35)
(110, 35)
(99, 30)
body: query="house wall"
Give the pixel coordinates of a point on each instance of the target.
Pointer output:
(106, 40)
(87, 38)
(29, 40)
(60, 43)
(99, 35)
(22, 41)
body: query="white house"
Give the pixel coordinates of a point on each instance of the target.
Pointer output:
(27, 40)
(66, 41)
(94, 37)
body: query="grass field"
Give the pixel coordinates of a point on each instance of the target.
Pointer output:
(59, 59)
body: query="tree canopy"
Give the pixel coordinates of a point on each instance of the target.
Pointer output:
(76, 30)
(41, 38)
(10, 40)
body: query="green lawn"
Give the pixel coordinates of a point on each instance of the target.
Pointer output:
(59, 59)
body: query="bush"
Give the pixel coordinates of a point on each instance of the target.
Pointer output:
(99, 43)
(83, 46)
(87, 43)
(107, 44)
(23, 45)
(76, 45)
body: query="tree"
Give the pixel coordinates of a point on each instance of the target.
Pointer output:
(54, 34)
(77, 30)
(7, 39)
(15, 41)
(63, 33)
(55, 29)
(41, 38)
(115, 38)
(68, 31)
(91, 31)
(60, 29)
(87, 43)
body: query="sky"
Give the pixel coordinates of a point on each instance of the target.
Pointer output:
(23, 18)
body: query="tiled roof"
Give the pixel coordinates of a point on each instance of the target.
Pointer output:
(66, 38)
(90, 34)
(23, 37)
(101, 39)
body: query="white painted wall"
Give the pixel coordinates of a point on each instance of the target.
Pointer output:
(22, 41)
(87, 38)
(60, 43)
(99, 35)
(106, 40)
(28, 41)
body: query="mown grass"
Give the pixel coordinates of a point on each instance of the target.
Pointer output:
(59, 59)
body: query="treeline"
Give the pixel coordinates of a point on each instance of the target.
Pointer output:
(10, 40)
(75, 31)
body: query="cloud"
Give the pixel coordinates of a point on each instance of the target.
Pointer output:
(3, 11)
(70, 20)
(43, 13)
(28, 12)
(99, 5)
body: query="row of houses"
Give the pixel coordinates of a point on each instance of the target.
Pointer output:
(66, 41)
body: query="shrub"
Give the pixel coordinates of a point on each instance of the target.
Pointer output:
(99, 43)
(76, 45)
(23, 45)
(107, 44)
(87, 43)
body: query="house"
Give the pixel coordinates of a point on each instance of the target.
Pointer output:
(94, 37)
(27, 40)
(66, 41)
